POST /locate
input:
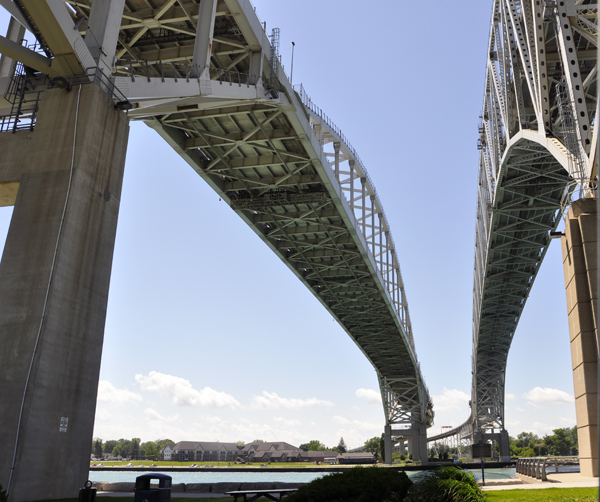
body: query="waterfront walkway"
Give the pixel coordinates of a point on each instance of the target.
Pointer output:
(555, 480)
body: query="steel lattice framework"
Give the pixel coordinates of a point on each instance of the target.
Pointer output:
(537, 143)
(205, 76)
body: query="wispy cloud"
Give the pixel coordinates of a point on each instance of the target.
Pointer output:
(356, 424)
(286, 422)
(108, 393)
(451, 399)
(539, 395)
(181, 392)
(510, 397)
(152, 414)
(370, 396)
(270, 400)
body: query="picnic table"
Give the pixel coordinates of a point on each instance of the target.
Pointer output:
(275, 494)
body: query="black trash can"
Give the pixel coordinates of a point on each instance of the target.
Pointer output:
(143, 492)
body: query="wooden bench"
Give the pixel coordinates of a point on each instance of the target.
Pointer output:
(275, 494)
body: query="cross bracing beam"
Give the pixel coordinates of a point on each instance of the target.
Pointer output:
(535, 148)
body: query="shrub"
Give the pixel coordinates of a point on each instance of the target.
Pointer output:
(359, 484)
(448, 484)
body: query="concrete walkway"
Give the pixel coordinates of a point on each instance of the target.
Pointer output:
(555, 480)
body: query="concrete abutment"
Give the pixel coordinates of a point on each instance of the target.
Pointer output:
(580, 260)
(54, 280)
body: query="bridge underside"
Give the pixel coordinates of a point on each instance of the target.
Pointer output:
(204, 76)
(528, 207)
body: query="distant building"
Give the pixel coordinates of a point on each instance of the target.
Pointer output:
(357, 458)
(271, 452)
(318, 456)
(167, 452)
(200, 451)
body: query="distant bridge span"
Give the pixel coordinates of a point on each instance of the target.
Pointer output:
(206, 77)
(538, 142)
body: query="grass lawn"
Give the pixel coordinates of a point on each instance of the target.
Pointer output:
(544, 495)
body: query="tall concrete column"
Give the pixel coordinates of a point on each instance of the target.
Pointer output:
(387, 443)
(54, 281)
(580, 248)
(504, 446)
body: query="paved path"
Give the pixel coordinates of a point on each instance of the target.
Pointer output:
(556, 480)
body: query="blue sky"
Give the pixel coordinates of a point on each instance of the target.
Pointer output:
(210, 337)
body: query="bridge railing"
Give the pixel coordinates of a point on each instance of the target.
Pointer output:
(395, 285)
(535, 467)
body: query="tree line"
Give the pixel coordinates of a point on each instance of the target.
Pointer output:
(129, 448)
(562, 442)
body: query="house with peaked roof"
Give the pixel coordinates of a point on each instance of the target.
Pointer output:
(166, 452)
(200, 451)
(278, 451)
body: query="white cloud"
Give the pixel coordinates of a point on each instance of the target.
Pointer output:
(370, 396)
(108, 393)
(357, 424)
(567, 421)
(510, 397)
(102, 415)
(273, 401)
(341, 420)
(285, 421)
(152, 414)
(541, 429)
(520, 409)
(451, 399)
(546, 395)
(181, 392)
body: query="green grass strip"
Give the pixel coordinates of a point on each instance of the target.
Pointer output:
(544, 495)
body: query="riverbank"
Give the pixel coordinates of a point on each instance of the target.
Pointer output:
(284, 468)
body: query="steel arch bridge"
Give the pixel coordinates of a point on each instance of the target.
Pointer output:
(207, 78)
(538, 142)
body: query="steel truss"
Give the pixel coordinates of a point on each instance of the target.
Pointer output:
(536, 145)
(206, 78)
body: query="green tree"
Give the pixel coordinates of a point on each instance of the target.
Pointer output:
(314, 445)
(560, 442)
(341, 447)
(240, 443)
(151, 451)
(126, 447)
(117, 450)
(527, 439)
(372, 444)
(109, 445)
(98, 448)
(135, 448)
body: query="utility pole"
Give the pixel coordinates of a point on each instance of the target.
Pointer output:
(292, 69)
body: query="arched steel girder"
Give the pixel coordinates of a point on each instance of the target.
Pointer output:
(511, 242)
(538, 138)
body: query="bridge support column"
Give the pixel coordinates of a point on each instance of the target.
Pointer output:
(54, 281)
(580, 248)
(504, 446)
(420, 438)
(387, 443)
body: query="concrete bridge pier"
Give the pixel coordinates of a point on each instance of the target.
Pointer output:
(500, 437)
(416, 437)
(64, 179)
(580, 261)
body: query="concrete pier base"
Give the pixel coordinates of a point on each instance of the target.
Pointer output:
(580, 251)
(54, 281)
